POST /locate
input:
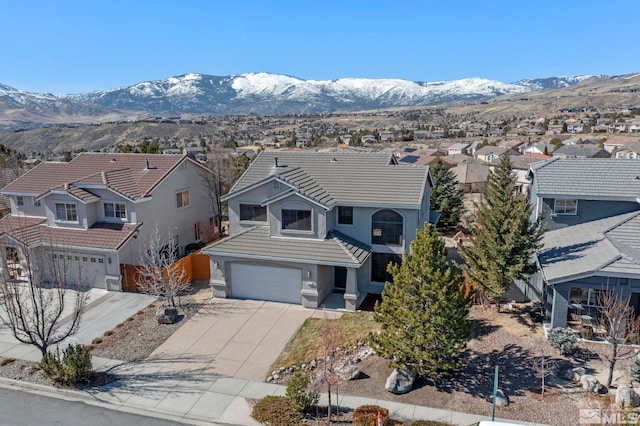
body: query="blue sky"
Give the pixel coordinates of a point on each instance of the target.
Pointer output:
(78, 46)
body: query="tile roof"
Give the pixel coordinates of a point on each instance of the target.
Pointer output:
(341, 178)
(604, 245)
(588, 177)
(126, 174)
(336, 249)
(32, 231)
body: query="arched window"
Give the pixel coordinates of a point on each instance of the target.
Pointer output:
(386, 228)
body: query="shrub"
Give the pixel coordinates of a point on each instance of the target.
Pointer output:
(298, 392)
(68, 368)
(6, 361)
(633, 338)
(367, 415)
(634, 368)
(563, 339)
(276, 411)
(586, 332)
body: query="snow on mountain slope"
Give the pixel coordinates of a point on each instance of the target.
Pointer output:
(276, 94)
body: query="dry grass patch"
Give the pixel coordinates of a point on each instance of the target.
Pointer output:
(306, 343)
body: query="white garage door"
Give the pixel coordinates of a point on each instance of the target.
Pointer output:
(266, 283)
(90, 268)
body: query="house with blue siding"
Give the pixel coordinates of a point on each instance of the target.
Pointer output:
(591, 209)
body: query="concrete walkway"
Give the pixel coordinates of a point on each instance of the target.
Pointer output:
(195, 397)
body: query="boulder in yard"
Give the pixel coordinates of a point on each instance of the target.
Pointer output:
(626, 396)
(502, 400)
(400, 381)
(166, 314)
(591, 384)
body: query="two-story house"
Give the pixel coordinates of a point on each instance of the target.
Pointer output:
(97, 211)
(591, 208)
(303, 225)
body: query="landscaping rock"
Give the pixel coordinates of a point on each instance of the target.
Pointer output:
(591, 384)
(400, 381)
(626, 396)
(502, 400)
(349, 372)
(573, 374)
(166, 314)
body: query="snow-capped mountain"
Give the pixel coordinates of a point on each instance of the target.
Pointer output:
(272, 94)
(261, 93)
(534, 84)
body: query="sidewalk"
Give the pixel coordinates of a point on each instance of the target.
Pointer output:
(195, 397)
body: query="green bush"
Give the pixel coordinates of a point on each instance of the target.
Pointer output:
(298, 392)
(276, 411)
(563, 339)
(68, 368)
(367, 415)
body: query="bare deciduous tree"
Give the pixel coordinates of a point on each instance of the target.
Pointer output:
(543, 366)
(224, 170)
(160, 274)
(43, 304)
(617, 320)
(330, 340)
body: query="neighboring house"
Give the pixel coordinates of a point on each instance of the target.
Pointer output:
(521, 165)
(458, 148)
(544, 149)
(99, 210)
(304, 225)
(514, 144)
(196, 152)
(386, 136)
(490, 154)
(580, 151)
(591, 208)
(629, 150)
(471, 177)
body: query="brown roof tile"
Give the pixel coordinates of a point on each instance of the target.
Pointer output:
(133, 175)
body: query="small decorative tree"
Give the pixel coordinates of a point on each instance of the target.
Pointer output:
(160, 274)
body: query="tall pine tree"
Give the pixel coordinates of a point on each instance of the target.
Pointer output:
(446, 198)
(423, 314)
(504, 238)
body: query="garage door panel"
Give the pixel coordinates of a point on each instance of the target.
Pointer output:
(90, 268)
(266, 283)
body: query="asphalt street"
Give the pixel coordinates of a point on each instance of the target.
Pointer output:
(22, 408)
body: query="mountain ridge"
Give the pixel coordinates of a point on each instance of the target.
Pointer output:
(261, 93)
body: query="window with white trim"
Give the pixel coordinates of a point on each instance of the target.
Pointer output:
(115, 210)
(563, 206)
(36, 203)
(19, 200)
(182, 198)
(66, 212)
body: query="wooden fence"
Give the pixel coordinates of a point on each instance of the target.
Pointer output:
(196, 265)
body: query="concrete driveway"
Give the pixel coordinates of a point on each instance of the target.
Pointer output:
(104, 311)
(236, 338)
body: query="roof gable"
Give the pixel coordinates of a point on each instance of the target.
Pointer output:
(132, 175)
(340, 178)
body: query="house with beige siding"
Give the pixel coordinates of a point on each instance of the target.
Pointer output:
(95, 213)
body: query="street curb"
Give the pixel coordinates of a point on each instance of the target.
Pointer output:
(80, 396)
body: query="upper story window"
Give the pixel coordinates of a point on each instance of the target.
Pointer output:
(345, 215)
(36, 203)
(298, 220)
(66, 212)
(19, 200)
(182, 198)
(565, 206)
(115, 210)
(386, 228)
(253, 212)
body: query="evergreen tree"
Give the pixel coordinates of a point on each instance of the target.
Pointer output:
(423, 314)
(503, 238)
(446, 198)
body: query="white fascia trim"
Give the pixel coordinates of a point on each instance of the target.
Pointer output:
(142, 200)
(96, 186)
(288, 194)
(74, 248)
(253, 186)
(62, 192)
(283, 259)
(28, 194)
(588, 197)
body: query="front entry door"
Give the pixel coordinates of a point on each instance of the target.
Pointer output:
(339, 279)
